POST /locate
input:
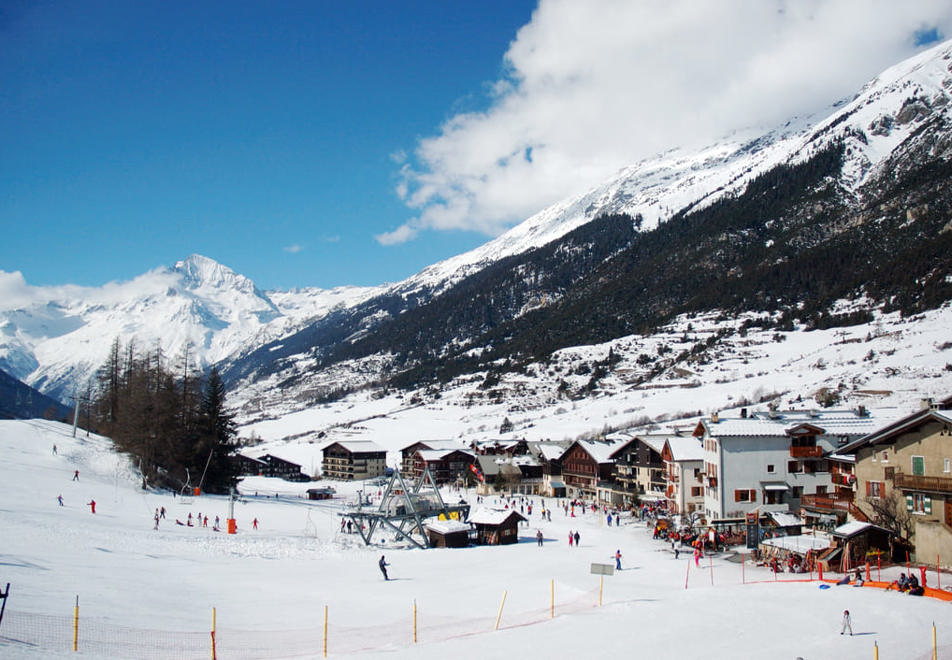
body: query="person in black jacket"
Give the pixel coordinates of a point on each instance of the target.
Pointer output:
(383, 566)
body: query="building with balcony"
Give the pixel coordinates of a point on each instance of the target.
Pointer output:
(769, 460)
(683, 458)
(354, 460)
(586, 463)
(912, 459)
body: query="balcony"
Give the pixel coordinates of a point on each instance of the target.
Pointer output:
(920, 482)
(806, 452)
(831, 504)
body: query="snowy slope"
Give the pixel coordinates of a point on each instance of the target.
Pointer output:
(151, 593)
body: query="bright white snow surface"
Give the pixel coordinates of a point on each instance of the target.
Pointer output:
(270, 586)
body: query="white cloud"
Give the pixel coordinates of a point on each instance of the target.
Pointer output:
(293, 249)
(594, 86)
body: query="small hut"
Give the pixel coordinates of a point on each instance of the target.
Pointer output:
(320, 493)
(861, 540)
(496, 526)
(447, 534)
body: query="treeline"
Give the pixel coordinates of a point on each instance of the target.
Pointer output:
(172, 422)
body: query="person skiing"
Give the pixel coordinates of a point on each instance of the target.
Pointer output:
(847, 623)
(59, 498)
(576, 539)
(383, 567)
(76, 475)
(254, 523)
(539, 537)
(92, 505)
(618, 559)
(571, 538)
(162, 512)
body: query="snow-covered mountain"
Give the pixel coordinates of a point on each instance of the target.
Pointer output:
(875, 124)
(289, 344)
(55, 338)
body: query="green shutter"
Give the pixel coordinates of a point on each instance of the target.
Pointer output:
(918, 465)
(927, 504)
(910, 504)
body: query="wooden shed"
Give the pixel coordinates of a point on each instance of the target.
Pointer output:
(320, 493)
(496, 526)
(448, 534)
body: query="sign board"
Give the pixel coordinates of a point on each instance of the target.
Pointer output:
(603, 569)
(753, 530)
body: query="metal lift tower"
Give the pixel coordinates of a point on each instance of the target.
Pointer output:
(402, 511)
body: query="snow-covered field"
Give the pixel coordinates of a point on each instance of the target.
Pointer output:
(269, 587)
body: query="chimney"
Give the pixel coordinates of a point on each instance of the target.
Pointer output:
(861, 411)
(715, 418)
(743, 413)
(926, 404)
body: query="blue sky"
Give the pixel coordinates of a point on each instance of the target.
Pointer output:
(329, 143)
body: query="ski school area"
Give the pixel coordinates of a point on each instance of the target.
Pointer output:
(110, 584)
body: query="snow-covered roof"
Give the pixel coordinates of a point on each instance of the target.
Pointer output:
(800, 543)
(550, 450)
(487, 516)
(833, 422)
(685, 448)
(438, 454)
(888, 431)
(437, 444)
(784, 519)
(447, 526)
(600, 451)
(855, 527)
(358, 446)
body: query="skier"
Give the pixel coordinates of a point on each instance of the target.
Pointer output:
(571, 538)
(618, 559)
(59, 498)
(54, 450)
(162, 512)
(76, 475)
(847, 623)
(383, 567)
(254, 523)
(576, 539)
(92, 505)
(539, 537)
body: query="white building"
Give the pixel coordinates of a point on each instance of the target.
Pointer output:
(770, 459)
(684, 471)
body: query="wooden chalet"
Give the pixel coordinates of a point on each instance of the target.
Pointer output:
(584, 464)
(408, 452)
(496, 526)
(270, 465)
(448, 534)
(445, 465)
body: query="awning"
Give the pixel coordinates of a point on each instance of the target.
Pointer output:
(774, 485)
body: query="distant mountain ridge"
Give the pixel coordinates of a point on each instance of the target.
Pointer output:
(797, 225)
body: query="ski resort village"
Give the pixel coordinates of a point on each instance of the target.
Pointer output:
(660, 367)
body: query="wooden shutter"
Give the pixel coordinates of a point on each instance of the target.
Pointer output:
(927, 504)
(910, 503)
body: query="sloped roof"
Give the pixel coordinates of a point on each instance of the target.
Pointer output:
(447, 526)
(487, 516)
(439, 454)
(358, 446)
(685, 448)
(833, 422)
(600, 452)
(890, 431)
(854, 527)
(437, 444)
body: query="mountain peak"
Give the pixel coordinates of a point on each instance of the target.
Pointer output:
(198, 270)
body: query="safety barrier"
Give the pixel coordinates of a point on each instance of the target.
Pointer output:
(96, 637)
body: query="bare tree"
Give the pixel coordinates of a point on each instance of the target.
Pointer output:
(891, 513)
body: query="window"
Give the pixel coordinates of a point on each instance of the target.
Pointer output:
(793, 466)
(821, 490)
(919, 465)
(947, 465)
(771, 469)
(697, 491)
(885, 457)
(744, 495)
(874, 488)
(919, 503)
